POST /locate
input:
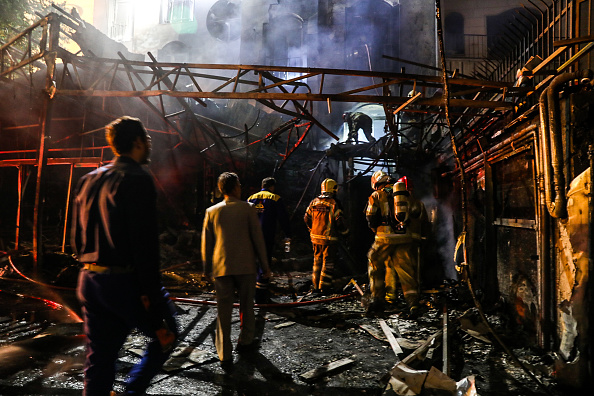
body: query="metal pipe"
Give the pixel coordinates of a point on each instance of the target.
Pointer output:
(20, 203)
(67, 210)
(544, 141)
(557, 208)
(590, 285)
(543, 244)
(516, 138)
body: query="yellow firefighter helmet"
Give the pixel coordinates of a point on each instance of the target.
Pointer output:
(379, 178)
(329, 186)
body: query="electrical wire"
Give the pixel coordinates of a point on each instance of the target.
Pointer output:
(15, 269)
(189, 300)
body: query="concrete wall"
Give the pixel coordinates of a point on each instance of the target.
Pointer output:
(418, 37)
(475, 12)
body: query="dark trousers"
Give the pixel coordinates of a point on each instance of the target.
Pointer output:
(111, 308)
(262, 283)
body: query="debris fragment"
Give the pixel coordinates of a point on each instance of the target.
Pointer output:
(390, 336)
(325, 370)
(408, 344)
(420, 352)
(182, 357)
(407, 381)
(374, 332)
(284, 324)
(378, 335)
(472, 325)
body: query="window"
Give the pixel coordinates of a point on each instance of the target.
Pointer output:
(284, 42)
(121, 24)
(176, 11)
(454, 34)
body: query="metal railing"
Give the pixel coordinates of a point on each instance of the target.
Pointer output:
(467, 46)
(545, 22)
(532, 32)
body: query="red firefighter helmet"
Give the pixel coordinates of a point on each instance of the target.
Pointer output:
(407, 183)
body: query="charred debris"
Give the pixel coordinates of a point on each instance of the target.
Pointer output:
(501, 160)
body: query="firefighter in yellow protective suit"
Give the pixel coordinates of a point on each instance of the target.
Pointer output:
(325, 221)
(395, 218)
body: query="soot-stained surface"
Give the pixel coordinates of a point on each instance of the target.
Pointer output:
(42, 350)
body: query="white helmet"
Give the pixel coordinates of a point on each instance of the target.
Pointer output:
(379, 178)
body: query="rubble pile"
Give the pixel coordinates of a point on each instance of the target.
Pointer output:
(305, 348)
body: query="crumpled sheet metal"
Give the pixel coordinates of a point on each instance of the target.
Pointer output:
(405, 381)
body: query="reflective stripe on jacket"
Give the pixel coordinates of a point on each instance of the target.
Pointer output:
(271, 208)
(379, 214)
(324, 219)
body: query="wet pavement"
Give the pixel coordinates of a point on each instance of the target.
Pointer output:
(42, 351)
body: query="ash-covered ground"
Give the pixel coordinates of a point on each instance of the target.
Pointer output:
(42, 353)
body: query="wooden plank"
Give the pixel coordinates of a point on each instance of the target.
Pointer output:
(573, 41)
(373, 331)
(325, 370)
(402, 106)
(390, 336)
(403, 342)
(549, 59)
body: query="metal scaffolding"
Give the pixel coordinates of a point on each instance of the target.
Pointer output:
(82, 76)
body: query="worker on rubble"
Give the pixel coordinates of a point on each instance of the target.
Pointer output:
(232, 249)
(325, 221)
(271, 210)
(395, 218)
(115, 238)
(356, 121)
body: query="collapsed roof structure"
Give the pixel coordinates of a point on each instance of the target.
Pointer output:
(516, 144)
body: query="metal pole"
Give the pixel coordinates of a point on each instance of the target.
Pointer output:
(590, 285)
(39, 184)
(44, 121)
(446, 347)
(67, 208)
(20, 199)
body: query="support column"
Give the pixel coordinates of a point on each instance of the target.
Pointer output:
(20, 201)
(67, 208)
(44, 121)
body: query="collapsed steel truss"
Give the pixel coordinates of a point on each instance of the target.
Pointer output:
(293, 96)
(287, 90)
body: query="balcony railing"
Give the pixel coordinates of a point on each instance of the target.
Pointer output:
(467, 46)
(498, 58)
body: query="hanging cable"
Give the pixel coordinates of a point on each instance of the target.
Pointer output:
(313, 172)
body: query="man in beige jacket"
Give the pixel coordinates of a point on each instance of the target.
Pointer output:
(232, 241)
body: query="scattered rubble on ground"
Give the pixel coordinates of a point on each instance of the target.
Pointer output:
(309, 349)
